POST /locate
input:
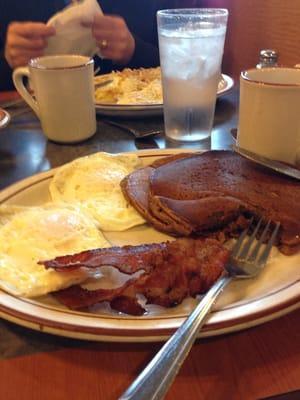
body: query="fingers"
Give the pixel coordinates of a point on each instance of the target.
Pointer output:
(19, 42)
(30, 29)
(114, 50)
(21, 59)
(114, 39)
(26, 40)
(107, 22)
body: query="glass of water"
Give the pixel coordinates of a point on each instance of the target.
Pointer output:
(191, 43)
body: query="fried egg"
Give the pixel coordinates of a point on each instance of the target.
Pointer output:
(93, 182)
(32, 234)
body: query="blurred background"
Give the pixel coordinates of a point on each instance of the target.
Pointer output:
(259, 24)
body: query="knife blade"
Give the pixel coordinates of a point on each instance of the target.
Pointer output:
(102, 84)
(12, 103)
(275, 165)
(134, 130)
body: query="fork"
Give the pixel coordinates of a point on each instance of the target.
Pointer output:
(246, 260)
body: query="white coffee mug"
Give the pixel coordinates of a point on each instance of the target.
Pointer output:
(269, 113)
(63, 95)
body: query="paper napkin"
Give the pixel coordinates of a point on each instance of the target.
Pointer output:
(71, 37)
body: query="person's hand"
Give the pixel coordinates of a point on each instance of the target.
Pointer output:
(113, 38)
(26, 40)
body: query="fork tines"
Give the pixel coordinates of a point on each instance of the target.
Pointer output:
(254, 254)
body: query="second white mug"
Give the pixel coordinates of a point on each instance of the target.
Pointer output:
(269, 114)
(63, 99)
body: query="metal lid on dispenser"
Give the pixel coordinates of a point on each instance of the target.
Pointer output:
(267, 58)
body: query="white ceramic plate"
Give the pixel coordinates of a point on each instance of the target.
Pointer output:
(111, 110)
(242, 305)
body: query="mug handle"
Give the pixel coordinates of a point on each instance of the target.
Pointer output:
(18, 75)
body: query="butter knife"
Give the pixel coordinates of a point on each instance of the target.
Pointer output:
(137, 133)
(102, 84)
(267, 162)
(12, 103)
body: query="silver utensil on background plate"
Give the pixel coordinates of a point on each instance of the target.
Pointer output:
(247, 260)
(267, 162)
(135, 132)
(102, 84)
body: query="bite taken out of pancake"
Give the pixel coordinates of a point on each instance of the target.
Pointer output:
(214, 193)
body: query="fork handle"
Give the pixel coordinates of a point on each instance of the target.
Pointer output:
(155, 380)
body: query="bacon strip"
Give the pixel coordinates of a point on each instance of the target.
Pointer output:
(76, 297)
(172, 272)
(128, 259)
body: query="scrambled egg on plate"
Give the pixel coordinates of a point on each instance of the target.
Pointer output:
(130, 87)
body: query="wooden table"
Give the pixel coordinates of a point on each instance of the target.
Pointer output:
(251, 364)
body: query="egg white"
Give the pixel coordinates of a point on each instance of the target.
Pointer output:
(32, 234)
(94, 183)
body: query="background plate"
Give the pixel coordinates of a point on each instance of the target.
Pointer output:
(4, 118)
(243, 304)
(137, 111)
